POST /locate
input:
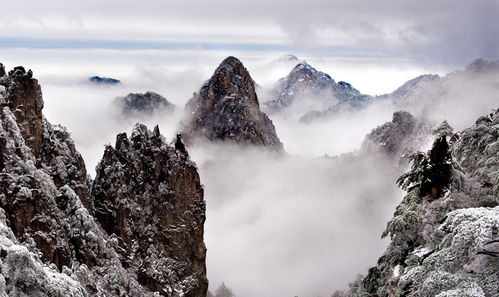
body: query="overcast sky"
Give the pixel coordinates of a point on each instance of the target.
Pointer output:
(445, 32)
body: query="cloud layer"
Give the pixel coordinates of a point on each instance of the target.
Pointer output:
(446, 32)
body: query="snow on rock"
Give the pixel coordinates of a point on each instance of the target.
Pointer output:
(227, 109)
(24, 98)
(51, 244)
(149, 195)
(401, 137)
(447, 244)
(24, 274)
(305, 83)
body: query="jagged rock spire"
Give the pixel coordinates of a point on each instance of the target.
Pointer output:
(149, 195)
(227, 109)
(24, 98)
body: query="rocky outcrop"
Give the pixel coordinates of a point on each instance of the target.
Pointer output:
(444, 233)
(51, 244)
(2, 70)
(399, 138)
(23, 96)
(63, 162)
(307, 86)
(149, 195)
(227, 109)
(103, 80)
(144, 104)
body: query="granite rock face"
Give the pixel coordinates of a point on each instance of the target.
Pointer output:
(444, 242)
(227, 109)
(53, 238)
(149, 195)
(399, 138)
(24, 98)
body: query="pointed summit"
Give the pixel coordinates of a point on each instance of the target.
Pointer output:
(232, 78)
(312, 90)
(227, 109)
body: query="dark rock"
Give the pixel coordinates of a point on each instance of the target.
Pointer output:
(399, 138)
(179, 145)
(150, 196)
(227, 109)
(104, 80)
(45, 198)
(24, 98)
(146, 104)
(31, 198)
(2, 70)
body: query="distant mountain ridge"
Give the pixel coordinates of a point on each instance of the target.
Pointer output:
(144, 104)
(305, 83)
(104, 80)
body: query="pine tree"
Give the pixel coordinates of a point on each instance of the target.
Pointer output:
(430, 172)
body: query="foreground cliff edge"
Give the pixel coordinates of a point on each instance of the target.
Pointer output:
(445, 232)
(136, 230)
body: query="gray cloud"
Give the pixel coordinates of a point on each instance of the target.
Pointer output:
(448, 32)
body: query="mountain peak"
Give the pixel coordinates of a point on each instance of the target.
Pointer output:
(314, 90)
(232, 62)
(304, 67)
(227, 108)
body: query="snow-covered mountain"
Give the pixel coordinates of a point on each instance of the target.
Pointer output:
(459, 96)
(136, 230)
(227, 109)
(307, 95)
(413, 88)
(444, 234)
(312, 92)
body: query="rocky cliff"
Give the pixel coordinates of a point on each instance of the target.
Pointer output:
(444, 234)
(227, 109)
(53, 240)
(404, 135)
(149, 195)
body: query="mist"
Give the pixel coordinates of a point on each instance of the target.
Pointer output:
(299, 224)
(292, 225)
